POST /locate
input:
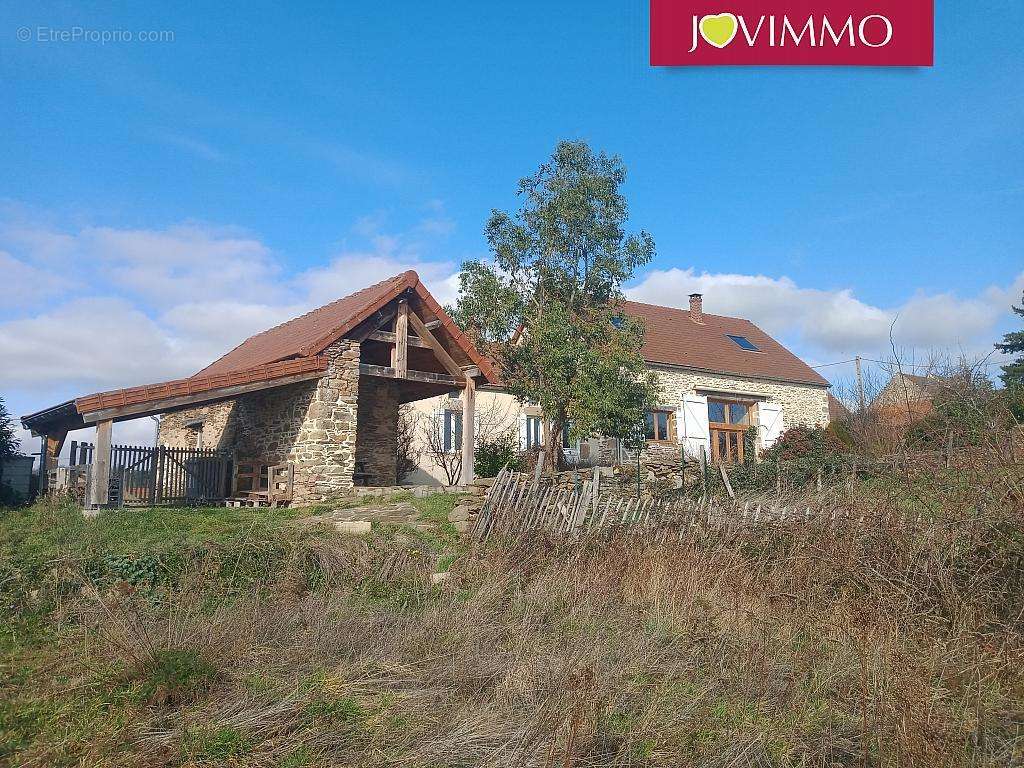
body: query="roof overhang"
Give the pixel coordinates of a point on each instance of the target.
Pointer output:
(168, 396)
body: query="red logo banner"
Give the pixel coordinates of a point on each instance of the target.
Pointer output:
(871, 33)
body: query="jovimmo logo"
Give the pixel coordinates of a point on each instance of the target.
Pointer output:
(895, 33)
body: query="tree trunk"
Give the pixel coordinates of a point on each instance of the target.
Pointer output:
(553, 444)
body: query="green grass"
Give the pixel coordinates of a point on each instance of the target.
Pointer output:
(49, 554)
(214, 745)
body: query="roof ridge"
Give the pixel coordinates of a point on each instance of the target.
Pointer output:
(686, 311)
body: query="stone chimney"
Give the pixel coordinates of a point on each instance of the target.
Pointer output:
(697, 307)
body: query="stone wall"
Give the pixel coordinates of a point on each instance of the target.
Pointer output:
(218, 426)
(311, 424)
(802, 404)
(377, 444)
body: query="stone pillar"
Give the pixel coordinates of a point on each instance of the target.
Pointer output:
(377, 432)
(324, 450)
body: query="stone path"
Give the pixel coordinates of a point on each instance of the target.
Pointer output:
(360, 519)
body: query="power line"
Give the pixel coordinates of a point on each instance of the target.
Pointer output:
(841, 362)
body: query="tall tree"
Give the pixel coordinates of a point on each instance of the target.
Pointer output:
(9, 444)
(1013, 343)
(548, 307)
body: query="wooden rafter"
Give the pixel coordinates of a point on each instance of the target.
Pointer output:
(388, 337)
(400, 354)
(439, 351)
(426, 376)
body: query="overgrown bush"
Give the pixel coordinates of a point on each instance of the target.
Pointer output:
(491, 455)
(796, 460)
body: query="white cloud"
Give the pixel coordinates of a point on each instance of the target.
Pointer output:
(183, 296)
(100, 341)
(835, 322)
(25, 283)
(184, 263)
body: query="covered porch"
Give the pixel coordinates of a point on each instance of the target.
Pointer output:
(328, 415)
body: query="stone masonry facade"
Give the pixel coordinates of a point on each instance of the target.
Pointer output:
(376, 455)
(311, 424)
(802, 404)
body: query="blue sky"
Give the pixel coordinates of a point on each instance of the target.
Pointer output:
(164, 199)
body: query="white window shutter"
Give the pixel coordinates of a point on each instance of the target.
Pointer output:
(522, 431)
(695, 433)
(770, 422)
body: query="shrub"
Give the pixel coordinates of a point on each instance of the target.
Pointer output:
(171, 675)
(491, 455)
(797, 457)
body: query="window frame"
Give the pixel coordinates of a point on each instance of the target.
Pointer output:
(735, 339)
(729, 423)
(729, 434)
(535, 435)
(451, 430)
(670, 425)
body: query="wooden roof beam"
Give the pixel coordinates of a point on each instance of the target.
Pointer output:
(439, 351)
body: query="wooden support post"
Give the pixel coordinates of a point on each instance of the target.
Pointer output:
(101, 465)
(49, 455)
(468, 431)
(400, 359)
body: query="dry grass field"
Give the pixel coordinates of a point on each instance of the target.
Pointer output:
(248, 638)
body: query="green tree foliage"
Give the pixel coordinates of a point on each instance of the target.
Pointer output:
(9, 444)
(1013, 344)
(548, 307)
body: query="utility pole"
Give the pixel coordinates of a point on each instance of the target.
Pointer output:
(860, 385)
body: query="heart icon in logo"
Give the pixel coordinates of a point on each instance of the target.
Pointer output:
(719, 30)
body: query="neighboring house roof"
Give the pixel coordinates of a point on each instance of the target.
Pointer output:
(836, 409)
(674, 338)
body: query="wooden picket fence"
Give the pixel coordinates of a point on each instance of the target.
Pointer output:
(154, 476)
(520, 503)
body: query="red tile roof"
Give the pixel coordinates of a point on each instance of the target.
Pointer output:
(292, 348)
(314, 331)
(301, 334)
(672, 338)
(199, 384)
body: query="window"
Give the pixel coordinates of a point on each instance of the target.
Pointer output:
(743, 343)
(735, 414)
(534, 432)
(728, 421)
(452, 431)
(659, 426)
(619, 322)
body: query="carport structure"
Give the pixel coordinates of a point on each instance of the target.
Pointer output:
(320, 392)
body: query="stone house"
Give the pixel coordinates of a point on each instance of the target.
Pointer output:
(718, 376)
(318, 395)
(906, 399)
